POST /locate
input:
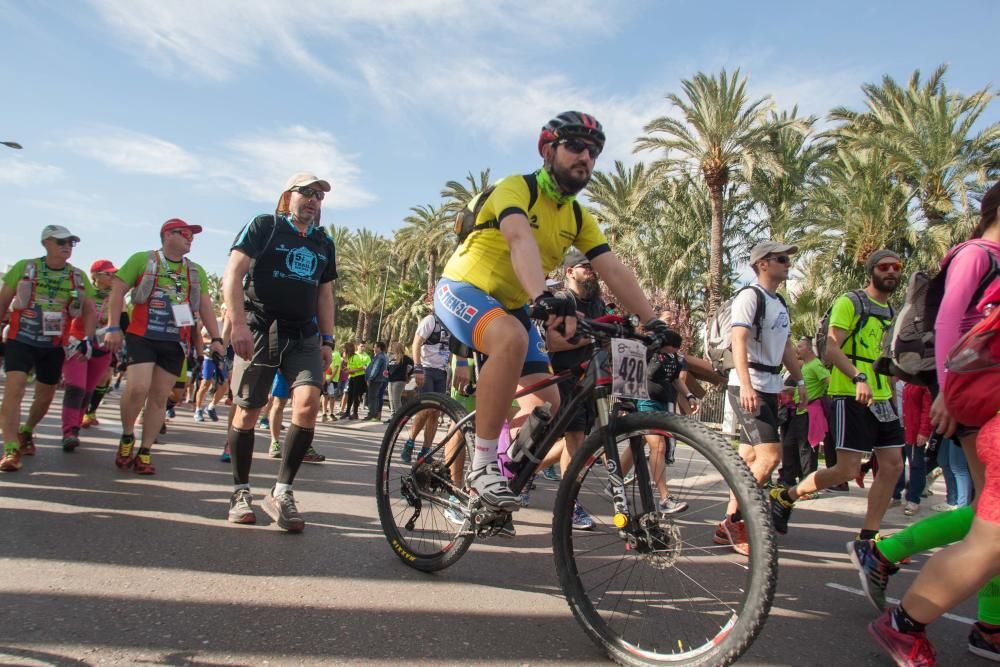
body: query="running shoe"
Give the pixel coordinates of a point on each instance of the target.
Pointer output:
(171, 412)
(142, 464)
(581, 520)
(860, 479)
(125, 445)
(326, 417)
(781, 511)
(199, 415)
(212, 414)
(452, 514)
(551, 474)
(944, 507)
(671, 505)
(284, 512)
(312, 456)
(873, 570)
(89, 419)
(508, 529)
(274, 451)
(733, 533)
(225, 457)
(839, 488)
(406, 456)
(424, 451)
(163, 428)
(241, 507)
(984, 644)
(909, 509)
(265, 423)
(26, 440)
(492, 487)
(907, 649)
(11, 461)
(71, 441)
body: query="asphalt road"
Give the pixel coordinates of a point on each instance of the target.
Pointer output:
(100, 566)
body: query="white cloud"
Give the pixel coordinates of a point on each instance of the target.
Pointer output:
(134, 152)
(15, 170)
(258, 165)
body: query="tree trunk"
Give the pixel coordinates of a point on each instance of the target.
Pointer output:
(715, 251)
(359, 330)
(431, 263)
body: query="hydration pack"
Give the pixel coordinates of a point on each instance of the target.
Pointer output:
(718, 333)
(27, 286)
(147, 282)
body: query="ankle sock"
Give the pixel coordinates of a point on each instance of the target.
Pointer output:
(903, 622)
(280, 488)
(485, 454)
(25, 429)
(786, 497)
(866, 534)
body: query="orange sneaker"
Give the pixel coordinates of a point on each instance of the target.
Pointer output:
(89, 419)
(733, 533)
(27, 442)
(142, 464)
(125, 445)
(11, 461)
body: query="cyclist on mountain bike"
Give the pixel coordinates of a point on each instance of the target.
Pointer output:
(522, 232)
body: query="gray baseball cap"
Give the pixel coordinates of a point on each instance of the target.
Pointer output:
(765, 248)
(574, 258)
(58, 232)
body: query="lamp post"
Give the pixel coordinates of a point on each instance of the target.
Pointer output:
(12, 144)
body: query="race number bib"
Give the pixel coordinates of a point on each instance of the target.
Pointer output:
(628, 369)
(182, 314)
(883, 411)
(52, 323)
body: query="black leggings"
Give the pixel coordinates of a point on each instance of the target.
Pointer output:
(356, 388)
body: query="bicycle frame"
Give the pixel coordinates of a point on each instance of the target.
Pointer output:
(593, 383)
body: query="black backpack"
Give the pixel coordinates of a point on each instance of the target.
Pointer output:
(465, 221)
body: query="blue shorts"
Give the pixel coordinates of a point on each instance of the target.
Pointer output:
(279, 388)
(466, 311)
(649, 405)
(208, 369)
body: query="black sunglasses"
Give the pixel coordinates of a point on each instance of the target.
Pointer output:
(70, 242)
(780, 259)
(578, 146)
(308, 192)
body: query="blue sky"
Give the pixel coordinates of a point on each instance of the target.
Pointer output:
(132, 112)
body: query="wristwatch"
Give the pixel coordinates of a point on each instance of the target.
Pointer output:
(860, 377)
(217, 340)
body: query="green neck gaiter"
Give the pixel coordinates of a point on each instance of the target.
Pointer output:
(549, 187)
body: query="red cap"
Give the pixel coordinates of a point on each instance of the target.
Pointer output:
(103, 266)
(177, 223)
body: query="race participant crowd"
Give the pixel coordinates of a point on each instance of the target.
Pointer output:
(855, 389)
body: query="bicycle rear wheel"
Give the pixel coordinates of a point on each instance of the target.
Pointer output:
(678, 597)
(421, 508)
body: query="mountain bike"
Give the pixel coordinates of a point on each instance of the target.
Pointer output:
(649, 588)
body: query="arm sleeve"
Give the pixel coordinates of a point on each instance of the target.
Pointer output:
(591, 241)
(11, 277)
(965, 271)
(253, 238)
(744, 308)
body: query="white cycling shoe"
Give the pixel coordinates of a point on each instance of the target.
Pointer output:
(490, 484)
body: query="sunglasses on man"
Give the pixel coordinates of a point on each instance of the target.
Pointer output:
(186, 233)
(308, 192)
(577, 146)
(889, 266)
(70, 242)
(780, 259)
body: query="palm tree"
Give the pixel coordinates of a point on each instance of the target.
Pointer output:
(457, 196)
(428, 235)
(364, 298)
(623, 206)
(722, 132)
(928, 136)
(214, 291)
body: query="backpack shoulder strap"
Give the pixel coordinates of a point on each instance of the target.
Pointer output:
(531, 180)
(578, 213)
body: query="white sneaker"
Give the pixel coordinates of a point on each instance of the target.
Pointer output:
(671, 505)
(944, 507)
(492, 487)
(909, 509)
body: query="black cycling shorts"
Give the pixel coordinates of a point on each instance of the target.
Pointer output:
(47, 362)
(168, 355)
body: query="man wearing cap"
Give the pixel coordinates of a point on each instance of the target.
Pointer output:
(42, 295)
(86, 365)
(279, 301)
(761, 343)
(864, 418)
(167, 290)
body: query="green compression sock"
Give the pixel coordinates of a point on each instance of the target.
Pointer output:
(989, 602)
(934, 531)
(24, 429)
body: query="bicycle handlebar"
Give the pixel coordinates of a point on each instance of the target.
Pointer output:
(596, 329)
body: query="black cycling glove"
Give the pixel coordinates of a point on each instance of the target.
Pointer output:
(659, 330)
(547, 304)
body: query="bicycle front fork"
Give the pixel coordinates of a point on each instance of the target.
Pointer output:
(606, 421)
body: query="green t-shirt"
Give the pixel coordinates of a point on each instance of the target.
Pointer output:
(176, 290)
(868, 343)
(814, 373)
(53, 293)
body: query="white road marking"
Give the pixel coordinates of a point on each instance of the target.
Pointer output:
(858, 591)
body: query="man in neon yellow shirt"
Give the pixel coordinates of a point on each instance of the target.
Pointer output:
(864, 418)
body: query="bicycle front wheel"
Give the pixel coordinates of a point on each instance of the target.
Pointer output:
(664, 589)
(421, 506)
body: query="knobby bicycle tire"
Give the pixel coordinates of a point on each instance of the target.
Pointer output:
(612, 617)
(435, 543)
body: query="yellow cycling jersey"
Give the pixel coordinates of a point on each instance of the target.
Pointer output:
(483, 259)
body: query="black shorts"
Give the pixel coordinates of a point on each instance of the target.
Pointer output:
(759, 428)
(856, 429)
(167, 354)
(584, 417)
(300, 361)
(47, 362)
